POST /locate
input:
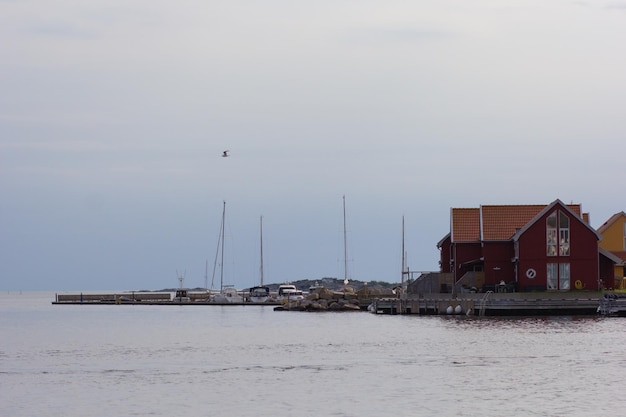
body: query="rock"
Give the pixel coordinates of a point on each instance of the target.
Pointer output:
(325, 294)
(322, 304)
(334, 306)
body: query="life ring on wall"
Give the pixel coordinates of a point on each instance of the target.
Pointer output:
(531, 273)
(578, 284)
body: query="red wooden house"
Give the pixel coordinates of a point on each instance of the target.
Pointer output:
(522, 247)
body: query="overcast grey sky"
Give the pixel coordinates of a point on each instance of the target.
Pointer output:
(114, 114)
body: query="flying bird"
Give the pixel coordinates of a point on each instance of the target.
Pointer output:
(225, 154)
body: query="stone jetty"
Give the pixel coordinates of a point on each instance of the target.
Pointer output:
(323, 299)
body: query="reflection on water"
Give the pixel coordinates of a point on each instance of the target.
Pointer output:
(253, 361)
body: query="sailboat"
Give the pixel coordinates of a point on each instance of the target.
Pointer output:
(260, 293)
(228, 293)
(346, 280)
(345, 245)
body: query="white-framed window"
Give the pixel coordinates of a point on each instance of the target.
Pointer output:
(564, 279)
(563, 234)
(558, 276)
(552, 274)
(624, 235)
(551, 240)
(557, 234)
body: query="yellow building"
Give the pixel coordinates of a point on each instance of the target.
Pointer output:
(613, 233)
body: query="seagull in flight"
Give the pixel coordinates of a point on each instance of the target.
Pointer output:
(225, 154)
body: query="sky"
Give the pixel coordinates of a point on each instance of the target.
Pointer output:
(114, 115)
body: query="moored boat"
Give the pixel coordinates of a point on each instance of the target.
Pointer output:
(259, 294)
(289, 292)
(228, 294)
(181, 296)
(181, 293)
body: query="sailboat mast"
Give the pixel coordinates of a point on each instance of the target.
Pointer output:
(403, 254)
(222, 249)
(206, 275)
(261, 251)
(345, 243)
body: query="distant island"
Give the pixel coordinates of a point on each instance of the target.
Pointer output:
(332, 284)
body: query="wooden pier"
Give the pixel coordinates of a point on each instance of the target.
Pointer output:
(492, 304)
(145, 298)
(113, 298)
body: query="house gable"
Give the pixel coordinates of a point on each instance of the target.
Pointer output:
(573, 210)
(568, 261)
(613, 233)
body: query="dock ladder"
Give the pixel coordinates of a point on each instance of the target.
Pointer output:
(483, 303)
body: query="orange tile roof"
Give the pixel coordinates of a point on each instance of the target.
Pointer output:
(577, 209)
(495, 222)
(465, 225)
(501, 222)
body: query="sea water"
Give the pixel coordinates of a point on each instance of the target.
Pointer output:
(134, 360)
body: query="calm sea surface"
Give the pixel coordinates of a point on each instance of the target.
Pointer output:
(124, 360)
